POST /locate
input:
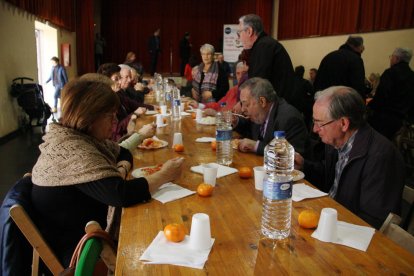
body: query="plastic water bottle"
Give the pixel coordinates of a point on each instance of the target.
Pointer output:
(277, 187)
(224, 131)
(175, 104)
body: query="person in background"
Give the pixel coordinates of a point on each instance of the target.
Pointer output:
(210, 83)
(268, 58)
(99, 50)
(266, 113)
(224, 64)
(59, 79)
(343, 67)
(303, 95)
(154, 48)
(80, 172)
(312, 75)
(131, 61)
(361, 170)
(185, 52)
(394, 97)
(373, 79)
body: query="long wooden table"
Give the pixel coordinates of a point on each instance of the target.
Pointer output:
(235, 216)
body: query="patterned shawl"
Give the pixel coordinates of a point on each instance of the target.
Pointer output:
(210, 78)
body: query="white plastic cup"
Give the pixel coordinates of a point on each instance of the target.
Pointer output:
(199, 114)
(182, 106)
(178, 139)
(159, 121)
(163, 109)
(210, 173)
(327, 226)
(200, 235)
(259, 175)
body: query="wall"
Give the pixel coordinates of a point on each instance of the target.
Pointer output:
(18, 58)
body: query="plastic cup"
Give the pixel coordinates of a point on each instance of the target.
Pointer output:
(199, 114)
(163, 109)
(159, 121)
(182, 106)
(178, 139)
(210, 173)
(327, 226)
(200, 235)
(259, 175)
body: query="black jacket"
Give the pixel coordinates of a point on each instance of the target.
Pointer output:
(372, 181)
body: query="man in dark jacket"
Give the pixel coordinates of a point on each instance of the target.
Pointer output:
(185, 52)
(362, 170)
(267, 113)
(268, 58)
(154, 48)
(343, 67)
(395, 95)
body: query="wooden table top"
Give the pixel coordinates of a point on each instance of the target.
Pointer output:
(235, 216)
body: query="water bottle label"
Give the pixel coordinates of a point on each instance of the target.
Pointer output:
(168, 96)
(277, 190)
(223, 135)
(176, 102)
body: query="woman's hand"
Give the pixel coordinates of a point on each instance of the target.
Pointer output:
(207, 95)
(170, 171)
(195, 95)
(193, 103)
(140, 111)
(147, 130)
(210, 112)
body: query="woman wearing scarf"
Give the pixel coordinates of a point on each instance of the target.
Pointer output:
(80, 171)
(210, 82)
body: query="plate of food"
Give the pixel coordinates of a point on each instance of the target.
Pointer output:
(145, 171)
(207, 121)
(297, 175)
(151, 112)
(153, 143)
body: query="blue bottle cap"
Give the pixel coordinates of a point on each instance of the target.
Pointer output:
(279, 134)
(223, 104)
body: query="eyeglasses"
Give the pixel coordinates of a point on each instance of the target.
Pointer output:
(321, 125)
(240, 31)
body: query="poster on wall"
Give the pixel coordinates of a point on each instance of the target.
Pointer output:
(65, 51)
(232, 46)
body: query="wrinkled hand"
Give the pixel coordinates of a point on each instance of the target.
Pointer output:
(193, 103)
(247, 145)
(147, 130)
(140, 111)
(207, 95)
(210, 112)
(172, 169)
(299, 160)
(139, 87)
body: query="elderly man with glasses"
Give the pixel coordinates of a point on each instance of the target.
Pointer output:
(362, 170)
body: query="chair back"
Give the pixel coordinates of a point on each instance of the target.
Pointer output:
(393, 231)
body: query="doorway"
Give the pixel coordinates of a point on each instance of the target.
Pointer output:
(46, 47)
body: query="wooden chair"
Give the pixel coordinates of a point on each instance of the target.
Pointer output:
(392, 230)
(40, 247)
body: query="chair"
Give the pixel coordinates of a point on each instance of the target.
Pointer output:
(408, 209)
(396, 233)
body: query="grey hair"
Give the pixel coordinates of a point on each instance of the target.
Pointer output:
(254, 21)
(405, 54)
(207, 48)
(240, 64)
(344, 102)
(260, 88)
(124, 66)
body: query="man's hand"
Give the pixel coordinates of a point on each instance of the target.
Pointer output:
(299, 161)
(247, 145)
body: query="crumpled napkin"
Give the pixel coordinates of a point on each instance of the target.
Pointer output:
(161, 251)
(170, 192)
(301, 191)
(352, 235)
(205, 139)
(222, 170)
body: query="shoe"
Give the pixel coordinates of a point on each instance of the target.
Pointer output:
(54, 110)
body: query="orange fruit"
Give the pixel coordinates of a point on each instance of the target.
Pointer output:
(245, 172)
(308, 218)
(205, 189)
(213, 145)
(193, 115)
(175, 232)
(179, 147)
(164, 120)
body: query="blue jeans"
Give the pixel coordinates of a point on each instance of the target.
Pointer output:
(57, 95)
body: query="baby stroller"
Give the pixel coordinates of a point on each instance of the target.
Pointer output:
(30, 98)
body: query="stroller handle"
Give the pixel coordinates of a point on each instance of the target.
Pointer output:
(22, 79)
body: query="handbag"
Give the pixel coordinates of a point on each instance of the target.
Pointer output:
(104, 236)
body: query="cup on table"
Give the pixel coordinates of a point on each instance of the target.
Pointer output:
(182, 106)
(199, 114)
(210, 173)
(178, 139)
(163, 109)
(159, 121)
(259, 175)
(200, 235)
(327, 226)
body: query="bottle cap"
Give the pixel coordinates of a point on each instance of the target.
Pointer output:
(279, 134)
(223, 104)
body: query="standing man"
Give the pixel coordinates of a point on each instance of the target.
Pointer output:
(394, 96)
(361, 170)
(59, 79)
(154, 48)
(268, 58)
(185, 52)
(312, 75)
(343, 67)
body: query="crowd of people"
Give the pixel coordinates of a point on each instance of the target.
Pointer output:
(86, 155)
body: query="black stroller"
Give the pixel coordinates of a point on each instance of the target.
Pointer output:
(30, 98)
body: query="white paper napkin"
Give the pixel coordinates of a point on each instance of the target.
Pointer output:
(205, 139)
(183, 113)
(222, 170)
(162, 251)
(170, 192)
(352, 235)
(302, 191)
